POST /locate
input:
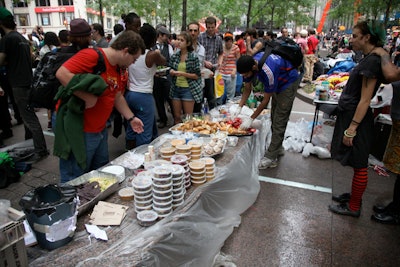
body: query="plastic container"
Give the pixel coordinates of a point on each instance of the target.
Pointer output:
(162, 204)
(162, 172)
(139, 209)
(179, 159)
(141, 193)
(147, 217)
(162, 193)
(51, 211)
(126, 193)
(118, 171)
(166, 187)
(163, 212)
(142, 204)
(162, 181)
(143, 198)
(142, 183)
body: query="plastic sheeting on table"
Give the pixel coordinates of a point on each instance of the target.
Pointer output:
(194, 233)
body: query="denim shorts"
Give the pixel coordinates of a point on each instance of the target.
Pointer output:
(182, 93)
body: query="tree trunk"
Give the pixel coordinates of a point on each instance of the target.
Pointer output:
(248, 15)
(184, 13)
(388, 7)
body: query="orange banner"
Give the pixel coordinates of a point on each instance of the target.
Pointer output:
(324, 14)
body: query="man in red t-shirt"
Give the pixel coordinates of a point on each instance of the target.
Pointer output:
(310, 57)
(117, 58)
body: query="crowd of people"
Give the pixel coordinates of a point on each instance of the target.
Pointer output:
(131, 87)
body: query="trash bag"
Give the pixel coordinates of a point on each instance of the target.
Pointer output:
(8, 173)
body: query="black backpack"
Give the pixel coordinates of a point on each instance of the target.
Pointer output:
(45, 83)
(286, 48)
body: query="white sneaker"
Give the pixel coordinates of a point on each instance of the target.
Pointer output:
(267, 163)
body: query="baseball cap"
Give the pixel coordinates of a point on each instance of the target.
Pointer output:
(5, 13)
(303, 33)
(163, 30)
(79, 27)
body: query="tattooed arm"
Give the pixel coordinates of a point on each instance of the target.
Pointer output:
(390, 71)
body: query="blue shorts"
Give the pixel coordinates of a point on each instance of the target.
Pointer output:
(182, 93)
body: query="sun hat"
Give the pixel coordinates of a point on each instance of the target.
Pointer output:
(79, 27)
(5, 13)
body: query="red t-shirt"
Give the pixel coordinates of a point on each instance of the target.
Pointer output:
(242, 46)
(84, 61)
(312, 43)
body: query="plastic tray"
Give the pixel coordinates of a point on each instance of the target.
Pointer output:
(85, 178)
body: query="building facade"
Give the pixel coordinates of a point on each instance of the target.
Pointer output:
(55, 15)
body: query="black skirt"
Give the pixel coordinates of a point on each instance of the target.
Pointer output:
(357, 155)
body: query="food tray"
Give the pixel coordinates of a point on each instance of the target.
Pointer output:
(248, 133)
(174, 130)
(85, 178)
(206, 141)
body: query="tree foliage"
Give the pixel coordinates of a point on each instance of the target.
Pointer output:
(272, 13)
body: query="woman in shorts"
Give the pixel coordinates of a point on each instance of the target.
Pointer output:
(186, 86)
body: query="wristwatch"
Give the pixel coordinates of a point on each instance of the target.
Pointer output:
(131, 118)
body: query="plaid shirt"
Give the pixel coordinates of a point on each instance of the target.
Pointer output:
(213, 46)
(192, 66)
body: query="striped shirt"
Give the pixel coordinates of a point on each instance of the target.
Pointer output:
(229, 60)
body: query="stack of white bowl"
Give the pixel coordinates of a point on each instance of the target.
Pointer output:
(142, 191)
(167, 152)
(178, 185)
(210, 168)
(197, 172)
(195, 151)
(184, 150)
(162, 190)
(183, 161)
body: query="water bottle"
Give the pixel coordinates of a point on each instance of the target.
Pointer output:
(204, 107)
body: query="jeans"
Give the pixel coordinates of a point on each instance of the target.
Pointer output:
(96, 147)
(229, 87)
(143, 106)
(31, 121)
(281, 107)
(239, 83)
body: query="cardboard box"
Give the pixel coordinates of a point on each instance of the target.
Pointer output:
(13, 252)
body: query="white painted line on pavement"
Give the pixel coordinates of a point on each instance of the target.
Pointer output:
(295, 184)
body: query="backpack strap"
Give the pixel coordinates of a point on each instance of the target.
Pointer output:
(267, 52)
(101, 65)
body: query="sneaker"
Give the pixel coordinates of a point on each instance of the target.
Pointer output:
(49, 126)
(267, 163)
(37, 156)
(343, 209)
